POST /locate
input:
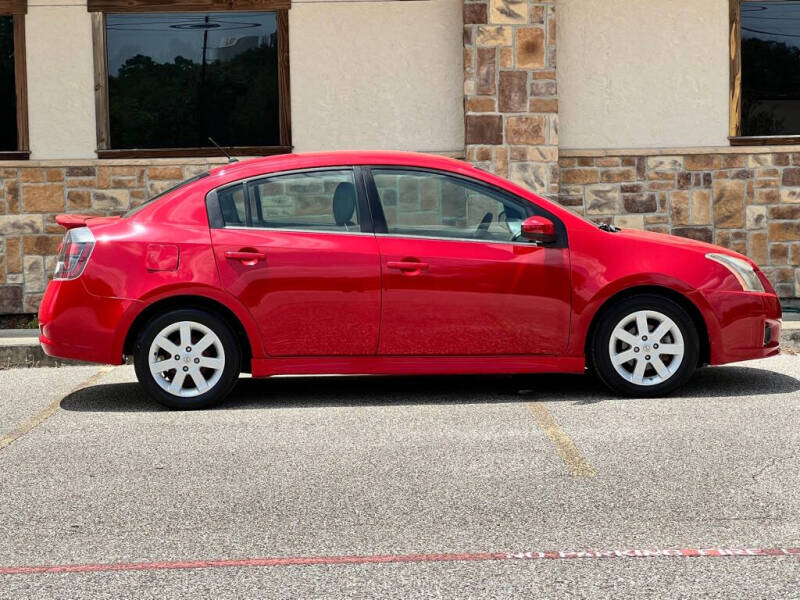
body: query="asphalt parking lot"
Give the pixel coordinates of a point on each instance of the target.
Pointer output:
(118, 497)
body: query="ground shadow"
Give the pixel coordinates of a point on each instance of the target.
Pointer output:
(299, 392)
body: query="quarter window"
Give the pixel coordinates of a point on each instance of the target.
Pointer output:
(428, 204)
(233, 205)
(321, 200)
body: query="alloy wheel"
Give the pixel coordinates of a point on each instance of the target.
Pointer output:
(646, 348)
(186, 359)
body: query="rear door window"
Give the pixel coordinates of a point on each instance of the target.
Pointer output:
(318, 200)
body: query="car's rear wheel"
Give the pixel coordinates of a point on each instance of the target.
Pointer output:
(645, 346)
(187, 359)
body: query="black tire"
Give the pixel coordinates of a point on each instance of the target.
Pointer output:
(216, 392)
(601, 354)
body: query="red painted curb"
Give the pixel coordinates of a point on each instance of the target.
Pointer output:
(400, 558)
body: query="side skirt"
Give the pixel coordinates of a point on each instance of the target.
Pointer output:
(416, 365)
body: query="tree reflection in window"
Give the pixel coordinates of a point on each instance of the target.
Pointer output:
(770, 68)
(177, 78)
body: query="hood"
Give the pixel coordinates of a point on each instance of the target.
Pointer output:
(674, 241)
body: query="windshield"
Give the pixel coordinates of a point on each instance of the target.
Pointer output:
(133, 211)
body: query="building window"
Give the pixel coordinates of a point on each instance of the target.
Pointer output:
(765, 71)
(166, 82)
(13, 88)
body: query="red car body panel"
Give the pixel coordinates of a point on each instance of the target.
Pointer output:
(321, 302)
(313, 294)
(473, 299)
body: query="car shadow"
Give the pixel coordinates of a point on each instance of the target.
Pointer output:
(306, 392)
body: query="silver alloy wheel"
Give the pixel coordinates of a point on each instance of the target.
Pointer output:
(646, 347)
(186, 359)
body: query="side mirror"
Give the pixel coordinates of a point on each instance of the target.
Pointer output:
(539, 229)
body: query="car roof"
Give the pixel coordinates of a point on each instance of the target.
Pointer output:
(305, 160)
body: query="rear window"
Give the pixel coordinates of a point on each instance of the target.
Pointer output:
(178, 186)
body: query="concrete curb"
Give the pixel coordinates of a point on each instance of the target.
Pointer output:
(19, 348)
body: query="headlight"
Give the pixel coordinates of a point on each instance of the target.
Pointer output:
(741, 269)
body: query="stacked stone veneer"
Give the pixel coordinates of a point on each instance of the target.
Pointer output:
(748, 201)
(32, 194)
(510, 91)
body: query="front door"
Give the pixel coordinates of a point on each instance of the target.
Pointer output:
(457, 279)
(294, 252)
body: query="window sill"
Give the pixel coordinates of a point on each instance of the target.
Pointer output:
(15, 154)
(765, 140)
(194, 152)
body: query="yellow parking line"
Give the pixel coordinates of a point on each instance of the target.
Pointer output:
(47, 411)
(576, 462)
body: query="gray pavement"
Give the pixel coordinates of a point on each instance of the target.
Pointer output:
(365, 466)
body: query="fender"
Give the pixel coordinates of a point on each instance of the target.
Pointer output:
(586, 310)
(156, 295)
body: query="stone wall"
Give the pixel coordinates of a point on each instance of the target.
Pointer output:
(510, 91)
(33, 193)
(747, 200)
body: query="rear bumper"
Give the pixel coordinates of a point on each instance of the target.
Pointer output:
(77, 325)
(749, 326)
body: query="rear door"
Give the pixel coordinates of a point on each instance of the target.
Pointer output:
(457, 278)
(298, 250)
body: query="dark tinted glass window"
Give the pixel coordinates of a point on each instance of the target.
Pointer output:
(174, 79)
(8, 97)
(771, 68)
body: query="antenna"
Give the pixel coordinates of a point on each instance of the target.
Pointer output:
(221, 149)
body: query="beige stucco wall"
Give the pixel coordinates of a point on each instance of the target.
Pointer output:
(377, 75)
(639, 73)
(363, 75)
(58, 35)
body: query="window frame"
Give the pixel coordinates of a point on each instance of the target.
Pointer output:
(216, 221)
(100, 8)
(735, 136)
(381, 228)
(17, 9)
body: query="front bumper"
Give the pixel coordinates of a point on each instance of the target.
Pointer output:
(749, 326)
(77, 325)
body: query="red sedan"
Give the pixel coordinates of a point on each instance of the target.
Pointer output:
(390, 263)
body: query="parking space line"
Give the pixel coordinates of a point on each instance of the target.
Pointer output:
(565, 447)
(290, 561)
(47, 412)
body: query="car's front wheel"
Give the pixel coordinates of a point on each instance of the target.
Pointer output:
(645, 346)
(187, 358)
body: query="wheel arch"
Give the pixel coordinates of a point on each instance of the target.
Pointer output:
(683, 301)
(244, 338)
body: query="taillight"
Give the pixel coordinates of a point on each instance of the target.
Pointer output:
(75, 251)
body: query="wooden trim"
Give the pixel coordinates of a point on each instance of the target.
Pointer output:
(15, 155)
(21, 85)
(735, 44)
(284, 102)
(190, 152)
(765, 140)
(125, 6)
(100, 81)
(13, 7)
